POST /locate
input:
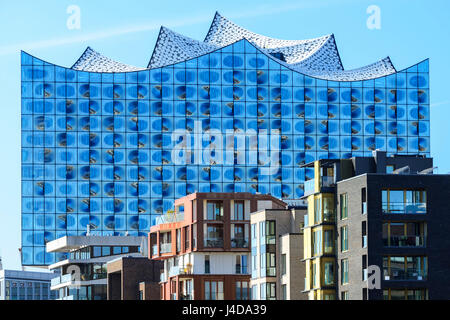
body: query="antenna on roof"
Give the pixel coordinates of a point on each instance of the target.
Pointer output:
(404, 170)
(428, 171)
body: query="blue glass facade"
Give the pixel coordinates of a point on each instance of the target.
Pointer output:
(98, 149)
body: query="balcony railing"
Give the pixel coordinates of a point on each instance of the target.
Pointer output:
(170, 218)
(241, 269)
(213, 243)
(325, 182)
(239, 243)
(177, 270)
(165, 247)
(404, 208)
(404, 241)
(62, 279)
(410, 274)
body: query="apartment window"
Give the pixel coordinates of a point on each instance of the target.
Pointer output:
(317, 242)
(253, 293)
(238, 210)
(328, 208)
(344, 271)
(271, 264)
(405, 267)
(314, 273)
(328, 236)
(405, 294)
(317, 210)
(404, 201)
(214, 236)
(214, 290)
(365, 294)
(364, 200)
(178, 233)
(187, 243)
(271, 291)
(207, 264)
(283, 264)
(270, 232)
(284, 292)
(214, 210)
(344, 206)
(239, 235)
(404, 234)
(344, 295)
(262, 291)
(253, 227)
(242, 292)
(328, 273)
(241, 264)
(364, 234)
(364, 267)
(344, 238)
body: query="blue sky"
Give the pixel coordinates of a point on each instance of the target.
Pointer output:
(411, 30)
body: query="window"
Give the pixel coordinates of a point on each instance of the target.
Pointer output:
(344, 271)
(253, 227)
(284, 292)
(364, 234)
(404, 234)
(364, 293)
(207, 265)
(239, 235)
(187, 243)
(178, 244)
(214, 236)
(344, 295)
(404, 201)
(344, 238)
(283, 264)
(271, 291)
(238, 210)
(214, 290)
(270, 232)
(254, 292)
(363, 200)
(214, 210)
(405, 267)
(317, 210)
(328, 241)
(271, 264)
(344, 207)
(317, 242)
(328, 273)
(405, 294)
(242, 292)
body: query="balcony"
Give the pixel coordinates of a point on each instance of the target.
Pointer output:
(213, 243)
(325, 182)
(404, 208)
(170, 218)
(404, 241)
(177, 270)
(409, 275)
(61, 279)
(239, 243)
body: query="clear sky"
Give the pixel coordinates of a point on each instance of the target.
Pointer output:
(411, 30)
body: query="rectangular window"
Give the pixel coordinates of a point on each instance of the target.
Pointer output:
(214, 236)
(317, 210)
(363, 200)
(328, 236)
(328, 273)
(214, 210)
(344, 271)
(404, 201)
(344, 295)
(238, 210)
(207, 265)
(283, 264)
(317, 242)
(271, 291)
(270, 232)
(242, 292)
(404, 234)
(405, 267)
(343, 205)
(344, 238)
(284, 292)
(271, 270)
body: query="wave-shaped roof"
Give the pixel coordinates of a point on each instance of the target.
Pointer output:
(93, 61)
(317, 57)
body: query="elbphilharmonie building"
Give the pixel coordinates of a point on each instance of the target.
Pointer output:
(110, 146)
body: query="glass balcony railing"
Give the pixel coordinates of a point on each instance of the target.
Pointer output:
(239, 243)
(325, 182)
(309, 187)
(404, 208)
(404, 241)
(409, 274)
(177, 270)
(61, 279)
(213, 243)
(170, 218)
(165, 247)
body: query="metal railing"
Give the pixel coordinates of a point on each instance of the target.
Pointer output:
(213, 243)
(404, 208)
(404, 241)
(239, 243)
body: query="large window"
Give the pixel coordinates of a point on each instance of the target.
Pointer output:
(404, 234)
(214, 290)
(405, 267)
(214, 236)
(283, 264)
(214, 210)
(404, 201)
(328, 241)
(239, 235)
(238, 210)
(241, 264)
(343, 206)
(405, 294)
(344, 238)
(242, 292)
(328, 267)
(344, 271)
(317, 242)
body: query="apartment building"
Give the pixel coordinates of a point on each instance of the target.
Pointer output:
(277, 272)
(205, 245)
(83, 272)
(377, 229)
